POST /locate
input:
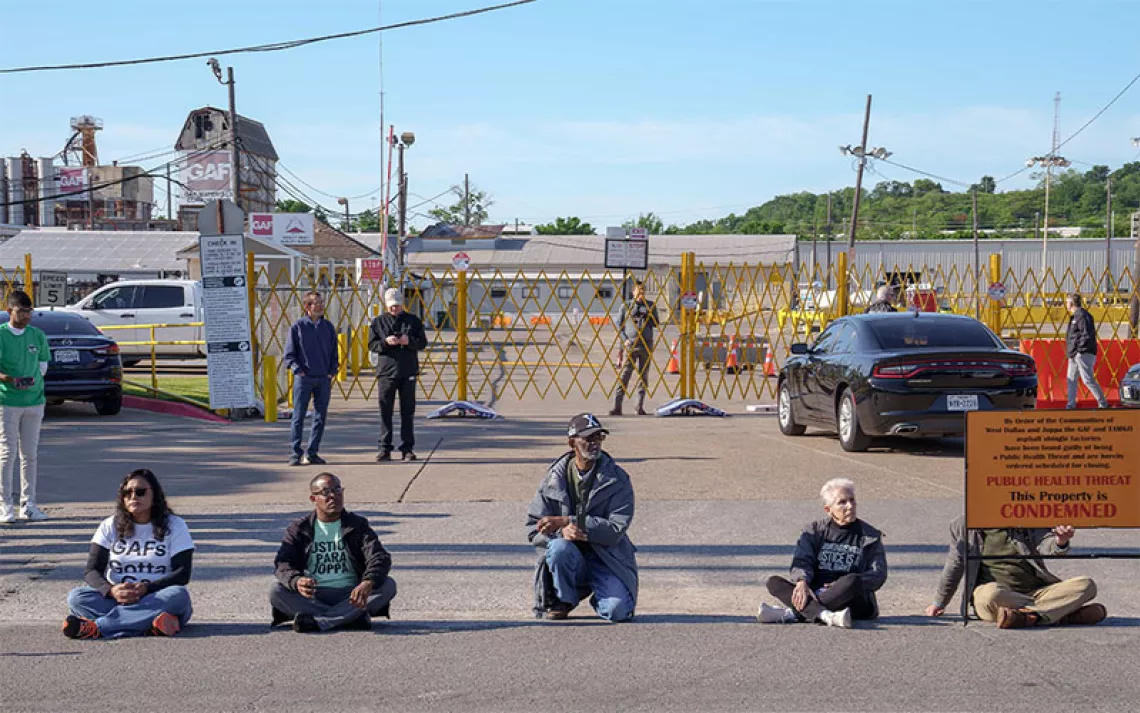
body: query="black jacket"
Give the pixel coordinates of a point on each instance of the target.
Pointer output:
(369, 558)
(1080, 337)
(879, 306)
(399, 361)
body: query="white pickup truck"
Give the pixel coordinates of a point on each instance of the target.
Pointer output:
(133, 303)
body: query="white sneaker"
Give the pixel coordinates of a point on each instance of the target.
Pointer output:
(31, 512)
(841, 618)
(775, 615)
(7, 514)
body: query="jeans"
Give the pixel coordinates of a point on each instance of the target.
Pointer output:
(20, 433)
(847, 591)
(115, 620)
(1082, 365)
(640, 355)
(331, 608)
(319, 389)
(388, 388)
(571, 569)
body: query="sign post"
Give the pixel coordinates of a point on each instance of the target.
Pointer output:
(225, 301)
(52, 290)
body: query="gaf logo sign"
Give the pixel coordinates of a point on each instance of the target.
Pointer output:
(284, 228)
(207, 176)
(72, 180)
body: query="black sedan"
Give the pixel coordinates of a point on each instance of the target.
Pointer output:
(85, 363)
(1130, 387)
(902, 374)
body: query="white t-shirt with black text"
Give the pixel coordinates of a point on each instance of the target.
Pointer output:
(142, 558)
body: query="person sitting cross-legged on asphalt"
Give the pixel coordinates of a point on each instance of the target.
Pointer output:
(578, 522)
(838, 566)
(331, 569)
(137, 569)
(1018, 592)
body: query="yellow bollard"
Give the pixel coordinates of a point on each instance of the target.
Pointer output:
(342, 353)
(28, 284)
(289, 386)
(994, 311)
(842, 289)
(269, 386)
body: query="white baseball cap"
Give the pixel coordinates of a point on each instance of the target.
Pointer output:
(393, 296)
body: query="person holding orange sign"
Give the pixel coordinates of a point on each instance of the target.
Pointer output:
(1018, 592)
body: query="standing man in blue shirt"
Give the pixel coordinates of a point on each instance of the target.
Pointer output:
(311, 354)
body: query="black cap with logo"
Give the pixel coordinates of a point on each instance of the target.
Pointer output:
(584, 425)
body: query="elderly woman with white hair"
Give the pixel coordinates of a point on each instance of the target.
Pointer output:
(838, 566)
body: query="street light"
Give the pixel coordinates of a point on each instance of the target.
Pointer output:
(405, 140)
(1047, 162)
(344, 202)
(235, 184)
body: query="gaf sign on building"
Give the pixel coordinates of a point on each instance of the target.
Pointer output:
(72, 180)
(284, 228)
(207, 177)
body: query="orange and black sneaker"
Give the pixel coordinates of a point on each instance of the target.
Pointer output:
(165, 625)
(76, 627)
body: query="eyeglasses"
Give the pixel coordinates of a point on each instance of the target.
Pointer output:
(138, 492)
(594, 438)
(329, 492)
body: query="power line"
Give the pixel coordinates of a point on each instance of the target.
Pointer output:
(271, 47)
(924, 173)
(323, 193)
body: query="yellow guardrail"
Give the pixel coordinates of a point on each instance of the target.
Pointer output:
(153, 343)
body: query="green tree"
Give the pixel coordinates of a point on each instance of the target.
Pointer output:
(470, 208)
(566, 226)
(649, 221)
(293, 206)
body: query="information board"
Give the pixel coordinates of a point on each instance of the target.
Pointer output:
(627, 254)
(1049, 468)
(225, 301)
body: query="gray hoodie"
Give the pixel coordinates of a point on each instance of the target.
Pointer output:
(609, 513)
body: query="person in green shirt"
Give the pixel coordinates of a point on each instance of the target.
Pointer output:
(24, 357)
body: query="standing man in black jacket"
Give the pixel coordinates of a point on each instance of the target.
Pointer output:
(331, 569)
(397, 338)
(1080, 346)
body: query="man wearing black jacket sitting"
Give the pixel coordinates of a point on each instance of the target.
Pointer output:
(1080, 346)
(331, 569)
(397, 338)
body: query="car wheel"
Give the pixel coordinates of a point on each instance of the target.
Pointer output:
(788, 425)
(110, 405)
(851, 435)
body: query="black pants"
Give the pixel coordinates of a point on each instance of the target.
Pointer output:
(847, 591)
(388, 388)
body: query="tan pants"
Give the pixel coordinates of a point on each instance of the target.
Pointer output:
(1051, 603)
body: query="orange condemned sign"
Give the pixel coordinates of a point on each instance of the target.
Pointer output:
(1049, 468)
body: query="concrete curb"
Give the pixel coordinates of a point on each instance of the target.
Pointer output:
(171, 408)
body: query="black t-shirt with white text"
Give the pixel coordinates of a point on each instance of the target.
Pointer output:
(840, 553)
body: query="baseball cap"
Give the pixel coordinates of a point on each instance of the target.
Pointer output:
(393, 296)
(584, 425)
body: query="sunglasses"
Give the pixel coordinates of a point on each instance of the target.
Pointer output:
(138, 492)
(594, 438)
(329, 492)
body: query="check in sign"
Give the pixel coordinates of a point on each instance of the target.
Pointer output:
(1049, 468)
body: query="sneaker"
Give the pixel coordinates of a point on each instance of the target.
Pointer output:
(277, 617)
(314, 459)
(383, 456)
(1015, 618)
(305, 624)
(294, 460)
(76, 627)
(775, 615)
(1087, 615)
(840, 619)
(559, 612)
(33, 513)
(408, 456)
(7, 514)
(165, 625)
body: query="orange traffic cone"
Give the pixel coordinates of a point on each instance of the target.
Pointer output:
(769, 363)
(673, 367)
(731, 362)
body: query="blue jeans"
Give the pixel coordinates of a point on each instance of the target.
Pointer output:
(115, 620)
(571, 569)
(319, 389)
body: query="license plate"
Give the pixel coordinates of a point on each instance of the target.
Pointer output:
(968, 402)
(66, 356)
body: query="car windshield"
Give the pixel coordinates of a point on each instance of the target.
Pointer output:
(917, 333)
(58, 324)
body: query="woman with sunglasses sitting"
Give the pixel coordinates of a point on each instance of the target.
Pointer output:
(137, 569)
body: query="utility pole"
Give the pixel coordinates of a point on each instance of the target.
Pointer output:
(1036, 225)
(1048, 162)
(402, 195)
(169, 210)
(466, 200)
(859, 183)
(829, 230)
(235, 172)
(1108, 239)
(977, 258)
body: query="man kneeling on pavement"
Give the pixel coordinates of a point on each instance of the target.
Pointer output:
(578, 522)
(1017, 592)
(331, 569)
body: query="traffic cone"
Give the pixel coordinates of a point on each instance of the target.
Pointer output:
(769, 362)
(731, 362)
(673, 367)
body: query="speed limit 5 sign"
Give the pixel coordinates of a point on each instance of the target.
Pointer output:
(52, 291)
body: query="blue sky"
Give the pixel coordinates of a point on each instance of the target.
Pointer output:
(597, 108)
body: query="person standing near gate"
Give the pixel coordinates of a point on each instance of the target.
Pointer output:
(1080, 346)
(397, 338)
(24, 357)
(637, 324)
(311, 354)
